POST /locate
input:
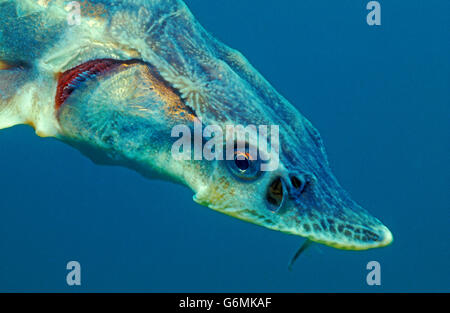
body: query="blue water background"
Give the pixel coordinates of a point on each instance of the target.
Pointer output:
(380, 98)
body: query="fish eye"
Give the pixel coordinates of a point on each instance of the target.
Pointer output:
(244, 166)
(242, 163)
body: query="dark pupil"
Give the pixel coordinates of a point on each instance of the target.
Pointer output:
(242, 164)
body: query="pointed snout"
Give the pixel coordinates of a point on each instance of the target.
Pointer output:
(342, 228)
(328, 216)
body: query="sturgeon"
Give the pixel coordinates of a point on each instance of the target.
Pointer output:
(113, 78)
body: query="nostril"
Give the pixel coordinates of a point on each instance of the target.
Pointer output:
(298, 183)
(275, 194)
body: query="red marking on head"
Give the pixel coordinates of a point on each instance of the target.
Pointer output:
(68, 81)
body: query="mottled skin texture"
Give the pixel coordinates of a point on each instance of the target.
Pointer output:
(183, 75)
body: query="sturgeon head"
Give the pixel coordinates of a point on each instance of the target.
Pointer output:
(115, 80)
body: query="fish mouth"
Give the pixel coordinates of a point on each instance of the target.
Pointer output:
(77, 76)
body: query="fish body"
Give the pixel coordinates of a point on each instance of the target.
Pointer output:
(114, 79)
